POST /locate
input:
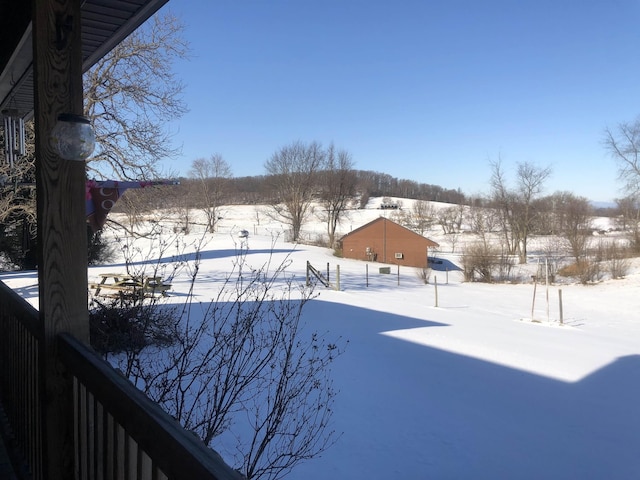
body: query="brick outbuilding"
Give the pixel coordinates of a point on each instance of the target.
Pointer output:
(387, 242)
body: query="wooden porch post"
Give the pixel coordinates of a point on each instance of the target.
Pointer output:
(62, 243)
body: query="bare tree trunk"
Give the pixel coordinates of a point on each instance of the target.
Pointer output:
(338, 188)
(294, 170)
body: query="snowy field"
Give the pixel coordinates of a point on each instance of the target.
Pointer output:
(471, 389)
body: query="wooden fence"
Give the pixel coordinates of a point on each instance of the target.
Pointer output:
(119, 433)
(311, 270)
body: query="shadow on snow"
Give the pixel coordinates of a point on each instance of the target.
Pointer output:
(460, 417)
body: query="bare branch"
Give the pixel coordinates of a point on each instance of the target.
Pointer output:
(623, 144)
(294, 171)
(130, 95)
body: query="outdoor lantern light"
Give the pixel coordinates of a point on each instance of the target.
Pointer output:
(72, 137)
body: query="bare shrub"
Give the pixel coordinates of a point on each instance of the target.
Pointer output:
(320, 240)
(486, 263)
(616, 259)
(585, 271)
(478, 262)
(128, 325)
(242, 371)
(424, 274)
(505, 265)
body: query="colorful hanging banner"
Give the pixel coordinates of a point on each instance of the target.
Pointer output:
(102, 195)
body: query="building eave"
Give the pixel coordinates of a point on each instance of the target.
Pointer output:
(104, 24)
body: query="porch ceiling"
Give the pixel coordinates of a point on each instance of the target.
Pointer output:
(104, 24)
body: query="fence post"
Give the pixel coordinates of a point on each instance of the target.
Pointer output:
(367, 274)
(435, 285)
(560, 301)
(546, 276)
(338, 277)
(533, 302)
(328, 279)
(307, 274)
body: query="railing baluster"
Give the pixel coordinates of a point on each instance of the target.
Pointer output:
(110, 448)
(78, 431)
(120, 452)
(99, 439)
(130, 457)
(82, 448)
(145, 466)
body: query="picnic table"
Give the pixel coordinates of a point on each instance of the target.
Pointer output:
(122, 284)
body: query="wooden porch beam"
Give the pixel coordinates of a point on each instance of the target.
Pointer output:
(62, 242)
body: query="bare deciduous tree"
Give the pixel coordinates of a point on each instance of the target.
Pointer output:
(294, 171)
(504, 202)
(450, 219)
(182, 203)
(17, 197)
(482, 222)
(212, 177)
(628, 212)
(623, 143)
(516, 205)
(420, 218)
(423, 216)
(338, 187)
(629, 218)
(132, 209)
(130, 95)
(574, 215)
(18, 205)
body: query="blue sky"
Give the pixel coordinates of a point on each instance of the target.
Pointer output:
(425, 90)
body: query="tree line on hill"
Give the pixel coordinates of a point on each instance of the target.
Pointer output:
(301, 173)
(297, 175)
(258, 189)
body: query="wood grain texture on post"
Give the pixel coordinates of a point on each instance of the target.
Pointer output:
(62, 242)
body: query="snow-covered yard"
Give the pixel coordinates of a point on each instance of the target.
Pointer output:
(472, 388)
